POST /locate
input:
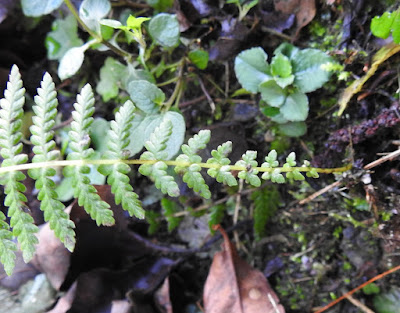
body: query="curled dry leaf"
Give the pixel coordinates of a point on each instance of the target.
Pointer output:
(234, 286)
(303, 9)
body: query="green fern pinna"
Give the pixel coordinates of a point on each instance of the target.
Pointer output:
(115, 164)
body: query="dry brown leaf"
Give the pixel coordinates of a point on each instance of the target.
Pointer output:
(303, 9)
(234, 286)
(381, 56)
(51, 258)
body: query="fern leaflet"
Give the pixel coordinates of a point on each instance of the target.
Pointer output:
(191, 174)
(7, 246)
(250, 175)
(10, 135)
(266, 202)
(42, 137)
(156, 151)
(79, 144)
(169, 209)
(117, 173)
(222, 174)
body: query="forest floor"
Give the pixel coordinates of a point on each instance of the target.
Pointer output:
(325, 237)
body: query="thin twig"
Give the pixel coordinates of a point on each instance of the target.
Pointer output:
(389, 157)
(209, 99)
(320, 192)
(359, 304)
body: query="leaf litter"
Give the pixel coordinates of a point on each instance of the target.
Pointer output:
(233, 285)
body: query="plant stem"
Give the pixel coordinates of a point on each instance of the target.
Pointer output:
(62, 163)
(96, 36)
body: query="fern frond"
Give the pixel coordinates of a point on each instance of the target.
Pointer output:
(222, 174)
(79, 144)
(291, 162)
(216, 215)
(42, 138)
(250, 175)
(271, 162)
(266, 202)
(156, 151)
(7, 246)
(10, 135)
(117, 173)
(191, 174)
(169, 209)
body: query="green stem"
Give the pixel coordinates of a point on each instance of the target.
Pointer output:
(62, 163)
(178, 87)
(98, 38)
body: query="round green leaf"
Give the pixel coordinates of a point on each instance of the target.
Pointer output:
(295, 107)
(199, 58)
(71, 62)
(145, 95)
(293, 129)
(251, 68)
(111, 76)
(164, 29)
(63, 37)
(144, 126)
(92, 11)
(309, 74)
(272, 94)
(381, 26)
(39, 7)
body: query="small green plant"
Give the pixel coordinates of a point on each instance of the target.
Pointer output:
(284, 82)
(243, 6)
(386, 24)
(114, 164)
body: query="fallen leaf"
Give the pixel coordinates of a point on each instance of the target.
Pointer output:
(51, 257)
(233, 285)
(303, 9)
(162, 297)
(381, 56)
(64, 303)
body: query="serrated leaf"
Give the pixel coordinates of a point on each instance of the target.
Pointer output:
(112, 74)
(71, 62)
(39, 7)
(164, 29)
(63, 37)
(251, 68)
(156, 151)
(145, 95)
(295, 107)
(272, 93)
(308, 71)
(194, 180)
